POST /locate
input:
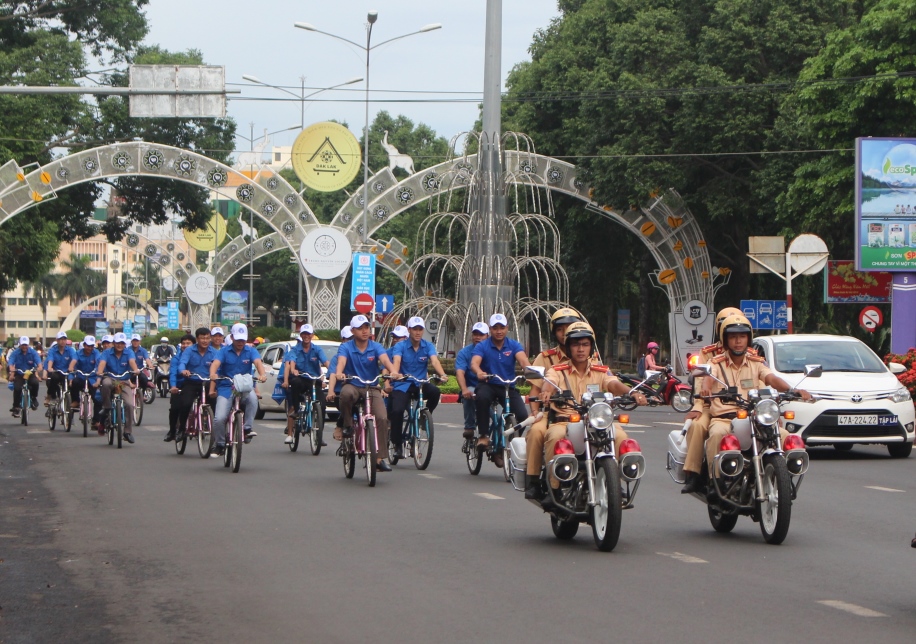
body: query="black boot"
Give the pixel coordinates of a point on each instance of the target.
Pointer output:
(691, 484)
(533, 488)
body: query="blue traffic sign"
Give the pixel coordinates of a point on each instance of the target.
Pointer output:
(766, 315)
(384, 304)
(363, 277)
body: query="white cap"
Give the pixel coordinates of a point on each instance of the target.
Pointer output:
(346, 333)
(61, 334)
(498, 318)
(416, 321)
(400, 331)
(306, 328)
(135, 336)
(217, 330)
(163, 339)
(120, 337)
(239, 332)
(107, 338)
(480, 327)
(24, 340)
(357, 321)
(89, 341)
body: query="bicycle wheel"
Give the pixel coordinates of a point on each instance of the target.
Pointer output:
(181, 438)
(298, 429)
(238, 442)
(422, 443)
(138, 408)
(85, 413)
(371, 453)
(507, 472)
(67, 413)
(205, 437)
(110, 429)
(52, 416)
(26, 405)
(349, 457)
(120, 426)
(474, 458)
(317, 433)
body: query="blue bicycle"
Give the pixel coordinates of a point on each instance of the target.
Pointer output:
(501, 417)
(417, 437)
(117, 419)
(309, 418)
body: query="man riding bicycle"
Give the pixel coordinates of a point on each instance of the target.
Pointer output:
(467, 379)
(57, 362)
(113, 363)
(87, 361)
(305, 358)
(23, 359)
(412, 357)
(141, 355)
(233, 360)
(181, 383)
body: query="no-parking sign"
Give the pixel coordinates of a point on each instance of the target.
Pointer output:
(870, 318)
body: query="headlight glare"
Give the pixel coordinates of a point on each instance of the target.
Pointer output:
(600, 416)
(767, 412)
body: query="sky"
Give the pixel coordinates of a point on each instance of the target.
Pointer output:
(259, 39)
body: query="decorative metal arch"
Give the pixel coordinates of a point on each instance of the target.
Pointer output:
(74, 314)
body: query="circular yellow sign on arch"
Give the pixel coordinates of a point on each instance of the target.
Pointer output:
(210, 237)
(326, 156)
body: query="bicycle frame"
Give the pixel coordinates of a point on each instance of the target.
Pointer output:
(197, 409)
(413, 412)
(309, 403)
(359, 437)
(498, 420)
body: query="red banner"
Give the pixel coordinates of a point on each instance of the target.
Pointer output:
(846, 285)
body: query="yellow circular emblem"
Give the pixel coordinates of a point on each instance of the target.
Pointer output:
(326, 156)
(210, 237)
(688, 262)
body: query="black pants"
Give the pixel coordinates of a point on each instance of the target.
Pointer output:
(55, 380)
(18, 384)
(486, 394)
(298, 387)
(76, 390)
(399, 401)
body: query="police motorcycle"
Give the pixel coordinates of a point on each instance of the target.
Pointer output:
(754, 474)
(596, 484)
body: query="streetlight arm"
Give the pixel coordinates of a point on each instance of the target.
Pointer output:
(308, 27)
(325, 89)
(422, 30)
(254, 80)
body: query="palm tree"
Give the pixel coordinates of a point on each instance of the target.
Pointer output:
(79, 281)
(44, 289)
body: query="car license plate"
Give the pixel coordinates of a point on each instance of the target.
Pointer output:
(867, 419)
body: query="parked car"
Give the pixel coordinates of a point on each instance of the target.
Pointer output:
(860, 399)
(272, 355)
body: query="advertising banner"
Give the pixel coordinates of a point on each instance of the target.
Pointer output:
(163, 317)
(363, 277)
(886, 204)
(233, 307)
(843, 284)
(172, 315)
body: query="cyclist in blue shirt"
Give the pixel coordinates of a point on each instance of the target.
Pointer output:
(496, 355)
(232, 360)
(113, 363)
(87, 361)
(363, 358)
(467, 379)
(23, 359)
(57, 363)
(412, 357)
(304, 358)
(183, 389)
(141, 355)
(334, 384)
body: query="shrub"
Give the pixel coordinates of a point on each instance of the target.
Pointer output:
(908, 377)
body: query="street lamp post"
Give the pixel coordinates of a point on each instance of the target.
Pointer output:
(371, 17)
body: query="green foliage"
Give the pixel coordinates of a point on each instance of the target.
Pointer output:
(76, 335)
(269, 333)
(153, 340)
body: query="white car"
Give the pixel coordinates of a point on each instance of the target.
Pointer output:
(860, 399)
(272, 356)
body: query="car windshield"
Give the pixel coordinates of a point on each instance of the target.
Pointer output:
(832, 355)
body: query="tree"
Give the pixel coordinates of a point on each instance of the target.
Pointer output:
(79, 281)
(44, 289)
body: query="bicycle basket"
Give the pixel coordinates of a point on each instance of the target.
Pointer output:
(243, 383)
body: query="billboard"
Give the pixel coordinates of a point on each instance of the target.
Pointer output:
(843, 284)
(233, 307)
(885, 204)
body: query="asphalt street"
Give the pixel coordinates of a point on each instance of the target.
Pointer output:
(139, 544)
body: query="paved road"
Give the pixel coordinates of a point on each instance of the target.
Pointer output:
(144, 545)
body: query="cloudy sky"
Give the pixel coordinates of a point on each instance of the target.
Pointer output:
(434, 78)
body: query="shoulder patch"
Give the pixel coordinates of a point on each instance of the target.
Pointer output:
(755, 358)
(563, 366)
(599, 367)
(549, 352)
(751, 351)
(719, 358)
(711, 348)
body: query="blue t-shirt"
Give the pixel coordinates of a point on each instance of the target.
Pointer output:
(231, 364)
(414, 362)
(332, 368)
(362, 364)
(463, 362)
(59, 360)
(88, 364)
(306, 361)
(25, 361)
(500, 362)
(140, 354)
(191, 360)
(115, 365)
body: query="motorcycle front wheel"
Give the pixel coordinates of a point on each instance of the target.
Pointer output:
(720, 521)
(608, 506)
(775, 511)
(563, 530)
(682, 401)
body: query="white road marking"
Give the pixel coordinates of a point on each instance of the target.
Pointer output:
(680, 556)
(491, 497)
(37, 430)
(681, 424)
(153, 428)
(633, 425)
(883, 489)
(428, 476)
(635, 431)
(860, 611)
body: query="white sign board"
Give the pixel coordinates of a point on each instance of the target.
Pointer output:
(688, 335)
(177, 79)
(201, 287)
(326, 253)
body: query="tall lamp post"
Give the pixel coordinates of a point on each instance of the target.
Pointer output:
(371, 18)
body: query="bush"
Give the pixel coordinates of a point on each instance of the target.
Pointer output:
(174, 336)
(908, 377)
(76, 335)
(269, 333)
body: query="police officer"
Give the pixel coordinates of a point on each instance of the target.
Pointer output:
(559, 321)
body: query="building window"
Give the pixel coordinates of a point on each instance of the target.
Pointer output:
(33, 301)
(11, 301)
(22, 301)
(23, 325)
(278, 157)
(53, 324)
(33, 324)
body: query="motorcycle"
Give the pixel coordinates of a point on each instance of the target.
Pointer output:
(755, 473)
(162, 376)
(674, 391)
(149, 392)
(596, 484)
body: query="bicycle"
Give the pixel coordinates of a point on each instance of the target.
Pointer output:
(199, 424)
(26, 401)
(418, 435)
(363, 443)
(501, 417)
(139, 399)
(85, 404)
(149, 392)
(117, 419)
(309, 418)
(59, 408)
(235, 431)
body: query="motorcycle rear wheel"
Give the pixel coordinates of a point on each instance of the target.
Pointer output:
(682, 401)
(564, 530)
(720, 521)
(608, 508)
(776, 511)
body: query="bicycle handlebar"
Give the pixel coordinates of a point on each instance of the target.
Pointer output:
(488, 376)
(201, 378)
(368, 383)
(307, 375)
(423, 381)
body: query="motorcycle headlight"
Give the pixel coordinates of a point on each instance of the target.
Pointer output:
(600, 416)
(901, 395)
(767, 412)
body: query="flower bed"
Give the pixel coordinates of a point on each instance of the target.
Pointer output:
(908, 377)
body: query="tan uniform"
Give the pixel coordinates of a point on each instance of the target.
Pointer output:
(565, 376)
(538, 431)
(750, 375)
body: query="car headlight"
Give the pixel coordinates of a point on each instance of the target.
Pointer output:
(600, 416)
(901, 395)
(767, 412)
